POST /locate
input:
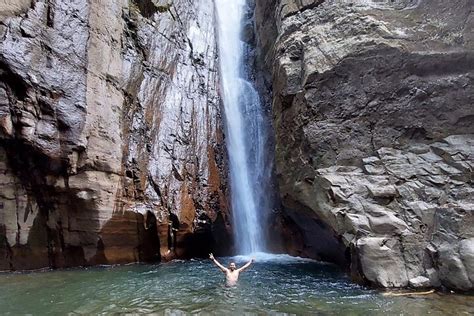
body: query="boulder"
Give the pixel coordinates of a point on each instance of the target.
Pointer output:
(420, 282)
(382, 262)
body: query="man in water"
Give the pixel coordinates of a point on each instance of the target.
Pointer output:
(231, 273)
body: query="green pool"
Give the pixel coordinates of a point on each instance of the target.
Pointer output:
(275, 285)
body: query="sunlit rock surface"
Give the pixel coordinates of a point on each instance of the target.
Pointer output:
(110, 131)
(374, 119)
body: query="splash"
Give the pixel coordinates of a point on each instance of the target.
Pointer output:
(263, 257)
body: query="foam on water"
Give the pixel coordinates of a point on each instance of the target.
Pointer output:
(263, 257)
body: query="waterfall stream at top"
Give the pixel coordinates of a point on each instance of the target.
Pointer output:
(246, 130)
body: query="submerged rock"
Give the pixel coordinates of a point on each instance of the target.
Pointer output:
(374, 123)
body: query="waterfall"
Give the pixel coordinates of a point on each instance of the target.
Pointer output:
(245, 129)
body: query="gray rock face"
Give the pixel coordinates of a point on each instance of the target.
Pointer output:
(374, 119)
(111, 147)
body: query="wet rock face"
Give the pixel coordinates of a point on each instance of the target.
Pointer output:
(111, 146)
(374, 120)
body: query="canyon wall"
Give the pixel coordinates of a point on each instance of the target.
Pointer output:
(374, 121)
(111, 143)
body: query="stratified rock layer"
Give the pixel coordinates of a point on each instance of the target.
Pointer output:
(111, 148)
(374, 119)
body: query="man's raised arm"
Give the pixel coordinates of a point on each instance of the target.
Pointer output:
(224, 269)
(246, 265)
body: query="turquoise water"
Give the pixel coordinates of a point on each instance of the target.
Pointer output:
(275, 286)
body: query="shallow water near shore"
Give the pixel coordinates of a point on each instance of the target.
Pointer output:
(273, 285)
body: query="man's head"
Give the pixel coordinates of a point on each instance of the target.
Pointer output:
(232, 266)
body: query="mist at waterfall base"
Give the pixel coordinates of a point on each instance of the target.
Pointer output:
(246, 131)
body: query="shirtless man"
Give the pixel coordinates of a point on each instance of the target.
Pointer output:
(231, 273)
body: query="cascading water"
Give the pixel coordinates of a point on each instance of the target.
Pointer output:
(245, 130)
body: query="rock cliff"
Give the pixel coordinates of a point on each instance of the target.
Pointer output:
(111, 145)
(374, 121)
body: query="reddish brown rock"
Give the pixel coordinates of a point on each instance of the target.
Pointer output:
(109, 126)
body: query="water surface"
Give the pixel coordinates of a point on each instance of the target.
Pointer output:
(271, 286)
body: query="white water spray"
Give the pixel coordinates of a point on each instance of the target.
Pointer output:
(245, 130)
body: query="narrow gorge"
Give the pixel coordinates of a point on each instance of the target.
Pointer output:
(153, 130)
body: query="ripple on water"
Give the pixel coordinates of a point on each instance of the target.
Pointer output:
(274, 284)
